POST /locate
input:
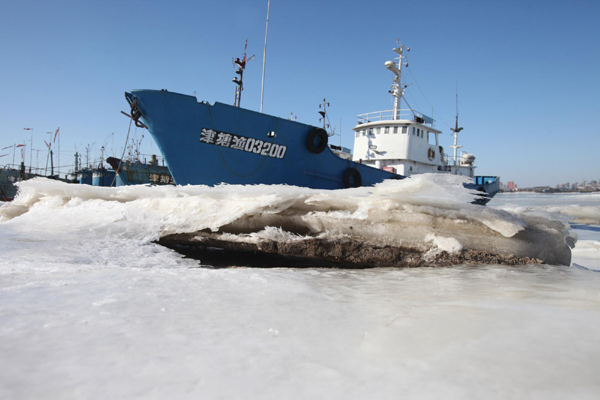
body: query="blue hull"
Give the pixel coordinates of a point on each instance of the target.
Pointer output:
(211, 144)
(84, 176)
(138, 173)
(8, 177)
(103, 177)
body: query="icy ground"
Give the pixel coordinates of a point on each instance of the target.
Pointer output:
(428, 214)
(582, 210)
(90, 308)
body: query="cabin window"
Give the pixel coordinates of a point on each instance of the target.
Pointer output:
(431, 138)
(413, 130)
(364, 133)
(370, 131)
(395, 129)
(357, 133)
(405, 129)
(377, 129)
(387, 129)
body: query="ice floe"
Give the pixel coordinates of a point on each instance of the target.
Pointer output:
(395, 223)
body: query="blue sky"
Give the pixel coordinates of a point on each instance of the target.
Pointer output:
(527, 71)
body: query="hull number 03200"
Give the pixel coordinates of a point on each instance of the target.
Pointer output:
(237, 142)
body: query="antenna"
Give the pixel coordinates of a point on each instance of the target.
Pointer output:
(241, 66)
(456, 129)
(324, 114)
(397, 90)
(262, 90)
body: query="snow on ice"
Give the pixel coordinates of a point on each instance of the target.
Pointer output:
(424, 220)
(91, 307)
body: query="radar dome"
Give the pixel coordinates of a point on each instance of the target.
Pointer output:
(468, 159)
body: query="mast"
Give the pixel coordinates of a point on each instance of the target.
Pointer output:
(397, 90)
(51, 163)
(241, 66)
(262, 90)
(456, 129)
(239, 81)
(58, 132)
(324, 113)
(30, 150)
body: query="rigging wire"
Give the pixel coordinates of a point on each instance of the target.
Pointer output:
(329, 123)
(417, 83)
(122, 155)
(413, 99)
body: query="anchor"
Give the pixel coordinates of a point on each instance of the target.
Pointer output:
(135, 114)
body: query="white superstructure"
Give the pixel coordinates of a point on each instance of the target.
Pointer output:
(404, 141)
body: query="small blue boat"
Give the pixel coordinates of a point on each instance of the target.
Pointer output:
(139, 173)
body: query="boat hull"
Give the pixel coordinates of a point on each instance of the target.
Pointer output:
(207, 144)
(103, 177)
(8, 178)
(138, 173)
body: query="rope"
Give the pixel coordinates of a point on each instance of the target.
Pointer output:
(415, 101)
(417, 83)
(122, 155)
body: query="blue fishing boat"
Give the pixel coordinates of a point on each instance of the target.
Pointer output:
(210, 144)
(206, 144)
(135, 172)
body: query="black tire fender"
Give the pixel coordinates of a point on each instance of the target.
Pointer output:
(316, 140)
(352, 178)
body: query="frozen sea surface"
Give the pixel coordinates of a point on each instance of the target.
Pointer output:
(90, 308)
(582, 210)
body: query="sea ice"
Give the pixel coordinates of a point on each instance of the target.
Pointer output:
(91, 308)
(396, 216)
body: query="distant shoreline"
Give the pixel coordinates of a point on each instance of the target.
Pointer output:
(549, 191)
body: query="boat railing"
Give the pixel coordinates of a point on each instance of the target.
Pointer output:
(388, 115)
(11, 167)
(455, 161)
(38, 171)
